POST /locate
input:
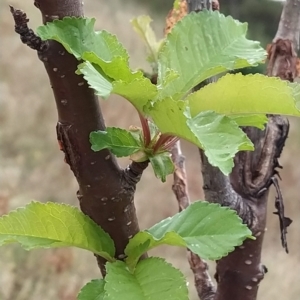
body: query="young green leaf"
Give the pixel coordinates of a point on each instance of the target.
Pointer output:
(96, 79)
(219, 136)
(152, 279)
(117, 68)
(138, 91)
(93, 290)
(253, 120)
(119, 141)
(142, 26)
(106, 67)
(250, 94)
(52, 225)
(202, 45)
(162, 165)
(77, 35)
(207, 229)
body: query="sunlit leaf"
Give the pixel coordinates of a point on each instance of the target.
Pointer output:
(142, 26)
(202, 45)
(52, 225)
(250, 94)
(120, 141)
(207, 229)
(152, 279)
(93, 290)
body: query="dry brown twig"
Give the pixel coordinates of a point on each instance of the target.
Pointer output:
(203, 283)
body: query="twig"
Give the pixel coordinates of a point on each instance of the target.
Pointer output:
(27, 35)
(282, 56)
(180, 186)
(203, 283)
(284, 221)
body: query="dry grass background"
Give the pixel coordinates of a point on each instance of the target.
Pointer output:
(31, 167)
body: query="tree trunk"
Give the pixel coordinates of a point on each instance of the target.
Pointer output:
(105, 192)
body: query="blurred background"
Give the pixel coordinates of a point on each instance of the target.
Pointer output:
(32, 167)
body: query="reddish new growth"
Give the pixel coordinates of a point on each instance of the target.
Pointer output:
(161, 141)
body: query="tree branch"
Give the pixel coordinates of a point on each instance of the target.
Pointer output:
(238, 275)
(105, 191)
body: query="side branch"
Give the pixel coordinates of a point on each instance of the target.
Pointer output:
(27, 35)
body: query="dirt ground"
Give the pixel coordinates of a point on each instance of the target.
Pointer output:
(31, 167)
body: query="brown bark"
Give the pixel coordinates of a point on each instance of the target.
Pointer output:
(105, 192)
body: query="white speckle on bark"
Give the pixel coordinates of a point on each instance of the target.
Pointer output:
(126, 208)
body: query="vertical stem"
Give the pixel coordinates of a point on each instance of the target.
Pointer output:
(105, 192)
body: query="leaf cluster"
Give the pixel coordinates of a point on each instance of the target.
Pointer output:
(198, 47)
(206, 229)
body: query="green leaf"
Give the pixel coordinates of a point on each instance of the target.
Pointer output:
(106, 67)
(77, 35)
(253, 120)
(220, 137)
(52, 225)
(162, 165)
(96, 79)
(117, 68)
(202, 45)
(142, 26)
(138, 91)
(93, 290)
(207, 229)
(250, 94)
(152, 279)
(120, 141)
(169, 117)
